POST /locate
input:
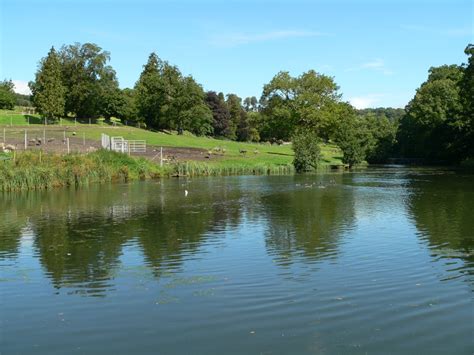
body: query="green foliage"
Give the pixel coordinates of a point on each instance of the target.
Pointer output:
(220, 113)
(23, 100)
(466, 139)
(7, 95)
(36, 170)
(392, 114)
(305, 101)
(47, 89)
(114, 104)
(188, 110)
(381, 138)
(254, 119)
(167, 100)
(433, 125)
(234, 104)
(129, 111)
(87, 78)
(307, 150)
(251, 104)
(149, 92)
(353, 137)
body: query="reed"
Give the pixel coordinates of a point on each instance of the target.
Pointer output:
(36, 170)
(223, 169)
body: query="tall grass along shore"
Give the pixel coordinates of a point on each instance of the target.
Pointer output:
(38, 170)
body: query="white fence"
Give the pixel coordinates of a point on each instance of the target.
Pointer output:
(137, 146)
(105, 141)
(119, 144)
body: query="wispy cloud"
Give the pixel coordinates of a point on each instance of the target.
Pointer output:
(365, 101)
(455, 32)
(236, 39)
(21, 87)
(376, 64)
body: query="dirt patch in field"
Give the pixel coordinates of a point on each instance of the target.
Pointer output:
(175, 154)
(55, 145)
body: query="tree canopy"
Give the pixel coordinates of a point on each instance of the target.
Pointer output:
(437, 125)
(7, 95)
(48, 91)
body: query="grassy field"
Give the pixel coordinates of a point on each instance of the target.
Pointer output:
(257, 159)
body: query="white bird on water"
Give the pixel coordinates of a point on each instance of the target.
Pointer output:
(185, 193)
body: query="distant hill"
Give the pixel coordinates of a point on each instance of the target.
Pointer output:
(23, 100)
(393, 114)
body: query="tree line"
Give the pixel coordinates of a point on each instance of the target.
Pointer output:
(439, 121)
(436, 125)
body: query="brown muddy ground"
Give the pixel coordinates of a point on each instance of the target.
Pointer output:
(174, 154)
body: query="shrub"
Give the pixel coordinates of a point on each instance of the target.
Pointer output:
(307, 150)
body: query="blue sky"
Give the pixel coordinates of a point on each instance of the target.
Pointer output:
(378, 51)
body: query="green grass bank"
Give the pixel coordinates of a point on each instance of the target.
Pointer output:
(36, 170)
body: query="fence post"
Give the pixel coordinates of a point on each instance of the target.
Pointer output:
(26, 140)
(44, 136)
(161, 156)
(75, 121)
(64, 135)
(89, 121)
(67, 140)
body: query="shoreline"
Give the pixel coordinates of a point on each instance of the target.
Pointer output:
(36, 170)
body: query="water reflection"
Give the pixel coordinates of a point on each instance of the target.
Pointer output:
(309, 219)
(441, 207)
(79, 236)
(337, 263)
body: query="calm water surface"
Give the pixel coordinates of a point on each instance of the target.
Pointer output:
(378, 261)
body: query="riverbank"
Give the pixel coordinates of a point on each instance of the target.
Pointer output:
(32, 170)
(47, 165)
(37, 170)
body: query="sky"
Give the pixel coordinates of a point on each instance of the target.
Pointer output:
(378, 52)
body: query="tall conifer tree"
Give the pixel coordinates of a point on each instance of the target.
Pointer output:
(48, 90)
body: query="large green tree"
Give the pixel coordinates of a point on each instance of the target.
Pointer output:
(307, 151)
(149, 89)
(220, 113)
(168, 100)
(48, 90)
(352, 135)
(309, 100)
(87, 78)
(188, 110)
(431, 126)
(381, 136)
(467, 101)
(7, 95)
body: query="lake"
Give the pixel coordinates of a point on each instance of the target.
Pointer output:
(375, 261)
